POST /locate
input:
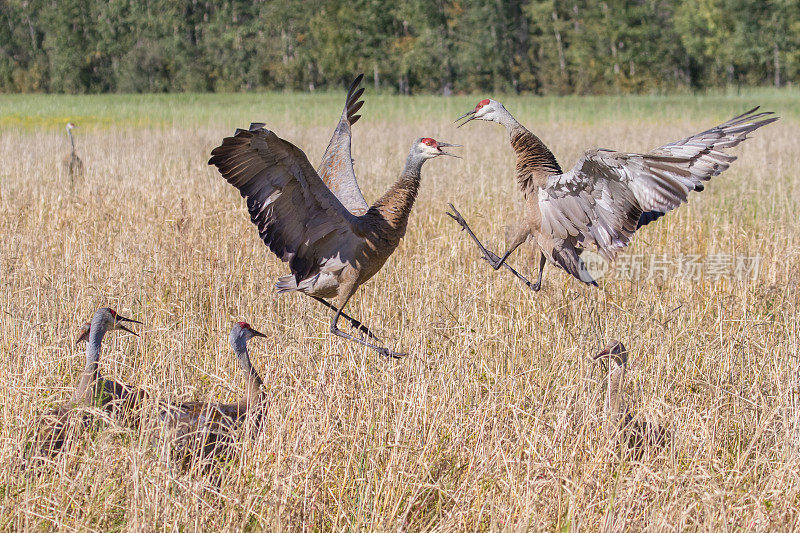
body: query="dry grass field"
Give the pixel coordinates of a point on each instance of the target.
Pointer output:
(495, 419)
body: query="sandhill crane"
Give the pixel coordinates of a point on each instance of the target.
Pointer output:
(607, 195)
(199, 430)
(320, 223)
(92, 389)
(72, 162)
(622, 426)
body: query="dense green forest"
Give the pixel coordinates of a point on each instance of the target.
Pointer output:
(440, 46)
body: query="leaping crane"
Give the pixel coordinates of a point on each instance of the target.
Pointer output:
(320, 223)
(607, 195)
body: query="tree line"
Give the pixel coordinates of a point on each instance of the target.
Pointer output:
(433, 46)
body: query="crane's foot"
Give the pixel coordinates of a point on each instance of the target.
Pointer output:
(491, 258)
(455, 215)
(386, 352)
(389, 354)
(535, 286)
(488, 256)
(353, 322)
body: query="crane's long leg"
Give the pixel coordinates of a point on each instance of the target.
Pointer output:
(542, 261)
(336, 331)
(353, 322)
(491, 257)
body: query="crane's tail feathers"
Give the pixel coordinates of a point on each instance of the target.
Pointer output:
(568, 258)
(286, 284)
(352, 103)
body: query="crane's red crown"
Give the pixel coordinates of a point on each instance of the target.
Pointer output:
(430, 142)
(244, 325)
(481, 104)
(113, 313)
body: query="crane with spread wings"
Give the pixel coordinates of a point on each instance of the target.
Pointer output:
(607, 195)
(319, 223)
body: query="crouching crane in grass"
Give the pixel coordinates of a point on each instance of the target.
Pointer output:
(623, 427)
(319, 222)
(200, 430)
(607, 195)
(92, 389)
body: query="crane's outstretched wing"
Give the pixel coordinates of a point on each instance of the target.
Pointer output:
(608, 195)
(336, 168)
(300, 220)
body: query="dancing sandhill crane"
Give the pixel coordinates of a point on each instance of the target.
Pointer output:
(199, 430)
(92, 389)
(72, 162)
(622, 426)
(320, 223)
(607, 195)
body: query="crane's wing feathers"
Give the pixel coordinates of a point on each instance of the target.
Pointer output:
(608, 195)
(294, 211)
(336, 168)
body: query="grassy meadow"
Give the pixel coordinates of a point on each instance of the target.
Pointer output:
(495, 419)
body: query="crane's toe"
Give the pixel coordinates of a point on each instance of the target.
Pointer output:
(389, 354)
(455, 215)
(492, 259)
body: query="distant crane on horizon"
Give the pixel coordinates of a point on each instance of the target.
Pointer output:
(607, 195)
(92, 389)
(198, 430)
(320, 223)
(72, 162)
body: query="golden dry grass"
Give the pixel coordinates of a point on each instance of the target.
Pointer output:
(494, 420)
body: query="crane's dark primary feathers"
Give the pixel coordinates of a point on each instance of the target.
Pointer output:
(294, 211)
(352, 103)
(648, 217)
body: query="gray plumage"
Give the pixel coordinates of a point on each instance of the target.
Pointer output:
(622, 425)
(607, 195)
(201, 430)
(72, 162)
(56, 427)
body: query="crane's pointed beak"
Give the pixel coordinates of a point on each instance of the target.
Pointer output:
(441, 145)
(465, 115)
(84, 336)
(123, 328)
(602, 354)
(120, 318)
(257, 333)
(126, 319)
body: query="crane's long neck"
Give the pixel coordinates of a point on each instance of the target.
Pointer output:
(535, 161)
(71, 140)
(389, 215)
(90, 371)
(253, 381)
(615, 405)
